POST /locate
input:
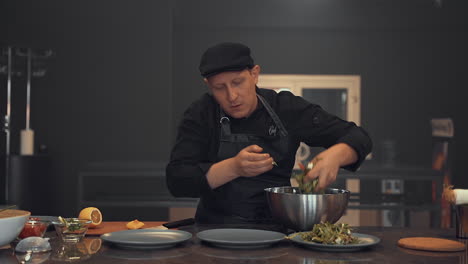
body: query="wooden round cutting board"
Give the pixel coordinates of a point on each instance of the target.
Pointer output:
(431, 244)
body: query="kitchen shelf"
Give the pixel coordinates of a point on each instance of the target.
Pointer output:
(414, 195)
(143, 185)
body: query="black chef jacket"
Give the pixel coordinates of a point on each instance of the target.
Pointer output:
(197, 139)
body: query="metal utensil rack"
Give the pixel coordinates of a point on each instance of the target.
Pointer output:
(16, 62)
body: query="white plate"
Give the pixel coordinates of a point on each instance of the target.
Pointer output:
(240, 238)
(146, 238)
(364, 242)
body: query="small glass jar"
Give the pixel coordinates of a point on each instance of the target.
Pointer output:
(72, 230)
(34, 227)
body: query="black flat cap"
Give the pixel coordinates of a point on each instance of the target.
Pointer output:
(225, 57)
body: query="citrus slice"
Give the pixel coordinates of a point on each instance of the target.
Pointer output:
(93, 214)
(135, 224)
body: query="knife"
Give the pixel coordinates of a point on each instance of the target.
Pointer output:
(175, 224)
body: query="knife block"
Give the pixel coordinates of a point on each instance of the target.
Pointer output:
(30, 183)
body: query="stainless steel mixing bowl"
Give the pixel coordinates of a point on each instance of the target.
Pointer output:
(302, 211)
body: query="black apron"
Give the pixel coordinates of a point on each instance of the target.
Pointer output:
(243, 200)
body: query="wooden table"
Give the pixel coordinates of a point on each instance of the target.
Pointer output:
(193, 251)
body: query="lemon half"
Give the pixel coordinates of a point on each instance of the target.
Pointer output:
(93, 214)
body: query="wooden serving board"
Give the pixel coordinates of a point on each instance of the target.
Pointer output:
(431, 244)
(107, 227)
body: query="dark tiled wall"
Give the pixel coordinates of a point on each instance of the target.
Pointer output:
(124, 71)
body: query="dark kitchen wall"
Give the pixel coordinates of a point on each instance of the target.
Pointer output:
(124, 71)
(106, 95)
(410, 55)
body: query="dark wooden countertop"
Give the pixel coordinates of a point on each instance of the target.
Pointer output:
(193, 251)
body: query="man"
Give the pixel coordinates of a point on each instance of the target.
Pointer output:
(238, 139)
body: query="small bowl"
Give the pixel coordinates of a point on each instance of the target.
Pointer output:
(11, 223)
(301, 212)
(73, 230)
(34, 227)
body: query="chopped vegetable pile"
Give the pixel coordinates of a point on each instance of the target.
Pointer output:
(331, 234)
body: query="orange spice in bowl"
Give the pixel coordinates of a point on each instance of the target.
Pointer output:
(11, 223)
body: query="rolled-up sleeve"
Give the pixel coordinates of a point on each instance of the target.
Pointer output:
(358, 139)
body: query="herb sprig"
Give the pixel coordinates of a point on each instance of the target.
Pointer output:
(72, 224)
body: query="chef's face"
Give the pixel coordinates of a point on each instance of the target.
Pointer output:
(235, 91)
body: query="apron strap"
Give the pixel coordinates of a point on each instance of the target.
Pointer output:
(273, 115)
(225, 124)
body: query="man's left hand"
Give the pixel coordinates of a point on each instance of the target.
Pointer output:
(327, 163)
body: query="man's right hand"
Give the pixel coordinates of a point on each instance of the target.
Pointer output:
(251, 162)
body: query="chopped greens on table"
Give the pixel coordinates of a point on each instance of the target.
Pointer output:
(330, 234)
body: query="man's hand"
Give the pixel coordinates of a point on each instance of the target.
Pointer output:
(325, 168)
(251, 162)
(328, 162)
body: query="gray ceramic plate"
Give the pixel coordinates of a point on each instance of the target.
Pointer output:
(364, 242)
(240, 238)
(146, 238)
